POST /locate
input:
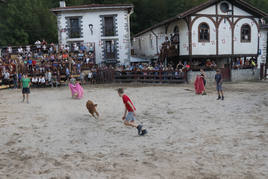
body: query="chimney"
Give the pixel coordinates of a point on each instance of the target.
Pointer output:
(62, 4)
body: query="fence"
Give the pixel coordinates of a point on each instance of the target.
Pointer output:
(264, 71)
(152, 76)
(113, 76)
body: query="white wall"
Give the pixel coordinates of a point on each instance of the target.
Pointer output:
(207, 48)
(240, 12)
(225, 38)
(146, 48)
(245, 48)
(184, 38)
(93, 17)
(210, 10)
(203, 48)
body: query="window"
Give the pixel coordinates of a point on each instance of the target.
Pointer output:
(224, 7)
(75, 29)
(245, 33)
(109, 29)
(203, 30)
(110, 49)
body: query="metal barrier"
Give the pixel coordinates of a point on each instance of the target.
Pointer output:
(151, 76)
(112, 76)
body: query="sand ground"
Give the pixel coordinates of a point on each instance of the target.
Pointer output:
(190, 136)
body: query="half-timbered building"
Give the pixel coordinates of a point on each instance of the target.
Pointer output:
(218, 30)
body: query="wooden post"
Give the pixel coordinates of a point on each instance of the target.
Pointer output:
(70, 66)
(160, 76)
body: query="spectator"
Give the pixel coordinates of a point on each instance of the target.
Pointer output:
(180, 65)
(6, 78)
(20, 50)
(15, 80)
(67, 73)
(82, 77)
(67, 48)
(35, 81)
(76, 48)
(44, 47)
(38, 45)
(80, 55)
(49, 76)
(9, 50)
(213, 64)
(28, 48)
(89, 76)
(42, 81)
(51, 48)
(83, 48)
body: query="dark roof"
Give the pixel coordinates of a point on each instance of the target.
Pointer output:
(240, 3)
(93, 6)
(157, 25)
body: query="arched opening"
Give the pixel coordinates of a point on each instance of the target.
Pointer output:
(203, 31)
(245, 33)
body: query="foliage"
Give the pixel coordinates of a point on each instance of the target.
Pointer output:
(24, 21)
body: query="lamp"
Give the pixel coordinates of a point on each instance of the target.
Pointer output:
(91, 28)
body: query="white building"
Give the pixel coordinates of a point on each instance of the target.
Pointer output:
(221, 30)
(104, 28)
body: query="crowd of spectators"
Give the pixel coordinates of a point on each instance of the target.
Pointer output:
(46, 64)
(244, 63)
(50, 65)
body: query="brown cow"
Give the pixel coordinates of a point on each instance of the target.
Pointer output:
(92, 109)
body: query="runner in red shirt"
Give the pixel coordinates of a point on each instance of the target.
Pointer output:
(130, 113)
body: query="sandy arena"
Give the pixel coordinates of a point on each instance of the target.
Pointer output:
(189, 136)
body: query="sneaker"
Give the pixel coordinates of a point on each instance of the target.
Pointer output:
(219, 98)
(222, 98)
(143, 132)
(139, 129)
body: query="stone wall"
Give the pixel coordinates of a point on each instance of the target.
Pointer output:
(236, 75)
(191, 75)
(245, 75)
